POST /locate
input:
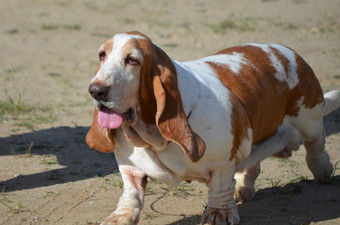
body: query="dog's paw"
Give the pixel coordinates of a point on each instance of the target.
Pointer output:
(214, 216)
(243, 194)
(290, 138)
(119, 219)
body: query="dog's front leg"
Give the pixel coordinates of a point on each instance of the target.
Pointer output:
(221, 209)
(132, 201)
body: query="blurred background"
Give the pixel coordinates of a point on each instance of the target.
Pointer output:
(48, 48)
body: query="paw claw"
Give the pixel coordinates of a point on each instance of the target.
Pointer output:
(215, 216)
(118, 220)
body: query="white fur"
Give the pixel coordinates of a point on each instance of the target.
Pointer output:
(332, 101)
(308, 122)
(234, 61)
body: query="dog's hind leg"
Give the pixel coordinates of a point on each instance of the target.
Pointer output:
(318, 159)
(310, 125)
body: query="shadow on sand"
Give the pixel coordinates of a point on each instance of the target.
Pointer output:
(68, 145)
(293, 204)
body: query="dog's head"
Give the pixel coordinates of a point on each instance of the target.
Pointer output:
(134, 73)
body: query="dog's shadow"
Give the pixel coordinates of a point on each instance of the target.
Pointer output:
(67, 145)
(332, 122)
(304, 202)
(298, 203)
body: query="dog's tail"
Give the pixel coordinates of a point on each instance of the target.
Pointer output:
(332, 101)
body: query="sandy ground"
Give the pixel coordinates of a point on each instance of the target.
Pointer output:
(48, 54)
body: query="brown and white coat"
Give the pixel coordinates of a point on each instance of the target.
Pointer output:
(204, 120)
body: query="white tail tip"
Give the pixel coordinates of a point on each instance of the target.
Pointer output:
(332, 101)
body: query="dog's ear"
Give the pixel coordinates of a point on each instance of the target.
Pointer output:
(170, 117)
(99, 138)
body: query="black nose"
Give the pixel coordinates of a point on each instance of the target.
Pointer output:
(98, 92)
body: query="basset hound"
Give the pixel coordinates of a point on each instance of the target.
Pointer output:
(212, 120)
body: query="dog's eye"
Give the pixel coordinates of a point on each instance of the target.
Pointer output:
(131, 61)
(102, 56)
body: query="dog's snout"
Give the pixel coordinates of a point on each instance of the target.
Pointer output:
(98, 92)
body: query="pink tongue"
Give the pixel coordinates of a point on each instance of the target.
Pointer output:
(108, 118)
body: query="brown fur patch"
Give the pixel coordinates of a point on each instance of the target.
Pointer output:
(257, 90)
(265, 99)
(308, 88)
(108, 45)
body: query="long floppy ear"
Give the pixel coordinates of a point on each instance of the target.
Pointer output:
(99, 138)
(170, 117)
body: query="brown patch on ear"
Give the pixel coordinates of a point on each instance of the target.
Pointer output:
(146, 98)
(99, 138)
(170, 117)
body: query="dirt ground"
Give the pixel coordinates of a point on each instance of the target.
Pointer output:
(48, 54)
